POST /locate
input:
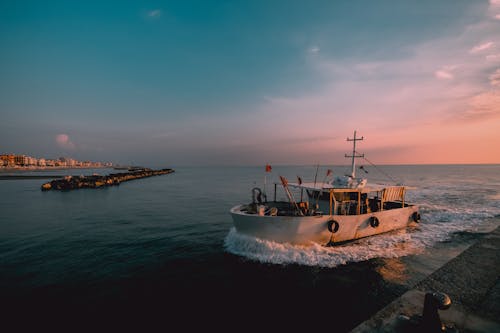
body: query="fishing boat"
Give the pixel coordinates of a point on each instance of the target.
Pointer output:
(328, 213)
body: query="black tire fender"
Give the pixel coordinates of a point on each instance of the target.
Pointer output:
(416, 217)
(333, 226)
(374, 222)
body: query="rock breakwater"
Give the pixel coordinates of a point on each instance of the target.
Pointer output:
(97, 181)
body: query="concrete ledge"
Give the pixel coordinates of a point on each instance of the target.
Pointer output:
(471, 280)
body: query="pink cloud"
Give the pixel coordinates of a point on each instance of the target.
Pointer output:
(444, 75)
(63, 141)
(481, 47)
(495, 78)
(484, 105)
(493, 57)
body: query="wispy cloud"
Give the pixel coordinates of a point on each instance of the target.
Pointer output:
(495, 78)
(481, 47)
(155, 13)
(445, 73)
(314, 50)
(163, 135)
(64, 142)
(494, 9)
(484, 105)
(493, 57)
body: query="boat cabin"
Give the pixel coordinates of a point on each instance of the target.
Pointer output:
(329, 200)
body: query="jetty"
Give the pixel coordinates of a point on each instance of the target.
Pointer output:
(466, 291)
(98, 181)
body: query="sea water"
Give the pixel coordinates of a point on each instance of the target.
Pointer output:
(167, 244)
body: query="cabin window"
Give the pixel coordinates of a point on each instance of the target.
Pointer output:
(374, 202)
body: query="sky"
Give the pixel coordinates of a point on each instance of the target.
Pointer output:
(170, 83)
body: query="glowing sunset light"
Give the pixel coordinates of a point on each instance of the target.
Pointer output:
(203, 84)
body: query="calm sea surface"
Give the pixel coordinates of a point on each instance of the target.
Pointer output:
(164, 246)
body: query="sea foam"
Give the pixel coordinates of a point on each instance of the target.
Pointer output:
(390, 245)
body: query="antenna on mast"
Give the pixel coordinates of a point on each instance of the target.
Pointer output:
(354, 156)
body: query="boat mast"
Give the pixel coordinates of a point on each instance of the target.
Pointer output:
(353, 156)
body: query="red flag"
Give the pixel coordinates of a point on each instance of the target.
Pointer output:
(268, 168)
(328, 172)
(284, 181)
(299, 180)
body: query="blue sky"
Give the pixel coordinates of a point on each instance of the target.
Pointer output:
(249, 82)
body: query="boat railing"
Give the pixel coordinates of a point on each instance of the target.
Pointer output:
(392, 194)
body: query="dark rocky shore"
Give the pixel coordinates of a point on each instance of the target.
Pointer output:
(97, 181)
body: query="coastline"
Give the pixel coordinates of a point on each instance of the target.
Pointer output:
(26, 169)
(17, 177)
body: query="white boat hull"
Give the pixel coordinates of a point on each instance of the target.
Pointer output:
(306, 229)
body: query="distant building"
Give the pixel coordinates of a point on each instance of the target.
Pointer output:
(15, 161)
(67, 161)
(21, 160)
(32, 161)
(8, 159)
